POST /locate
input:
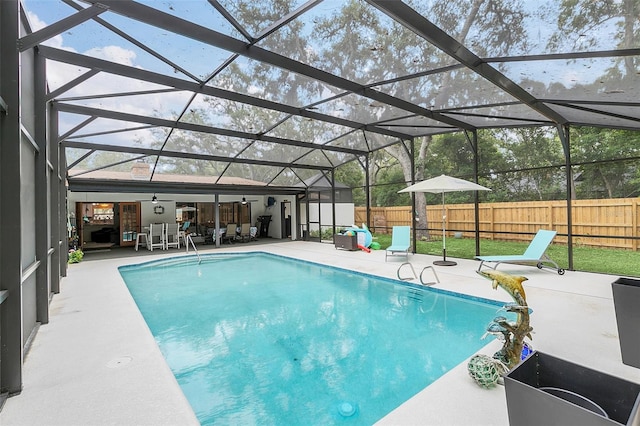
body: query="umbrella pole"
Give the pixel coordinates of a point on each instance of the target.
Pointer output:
(444, 261)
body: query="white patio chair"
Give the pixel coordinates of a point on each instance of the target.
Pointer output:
(171, 236)
(156, 236)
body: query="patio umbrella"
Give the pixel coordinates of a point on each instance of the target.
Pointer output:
(442, 184)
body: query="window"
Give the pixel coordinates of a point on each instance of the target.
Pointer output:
(98, 213)
(203, 215)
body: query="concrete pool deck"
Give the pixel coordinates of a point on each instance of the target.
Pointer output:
(96, 363)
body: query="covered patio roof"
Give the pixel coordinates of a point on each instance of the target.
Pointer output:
(277, 91)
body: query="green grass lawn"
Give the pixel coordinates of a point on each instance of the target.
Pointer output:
(588, 259)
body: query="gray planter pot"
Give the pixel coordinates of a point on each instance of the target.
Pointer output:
(346, 242)
(544, 390)
(626, 300)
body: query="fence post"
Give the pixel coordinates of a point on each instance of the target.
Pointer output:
(492, 223)
(634, 224)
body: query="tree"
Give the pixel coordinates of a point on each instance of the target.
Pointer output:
(385, 180)
(103, 160)
(351, 174)
(359, 44)
(579, 20)
(204, 143)
(264, 81)
(452, 154)
(534, 154)
(601, 173)
(389, 182)
(498, 25)
(603, 25)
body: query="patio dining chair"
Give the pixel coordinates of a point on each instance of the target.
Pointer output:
(245, 232)
(156, 236)
(171, 236)
(230, 234)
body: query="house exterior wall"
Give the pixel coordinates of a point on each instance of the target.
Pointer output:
(259, 207)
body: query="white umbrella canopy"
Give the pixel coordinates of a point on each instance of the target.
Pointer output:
(442, 184)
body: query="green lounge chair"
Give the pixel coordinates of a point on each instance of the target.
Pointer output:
(400, 242)
(534, 253)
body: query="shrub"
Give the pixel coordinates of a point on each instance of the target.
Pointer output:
(75, 256)
(327, 233)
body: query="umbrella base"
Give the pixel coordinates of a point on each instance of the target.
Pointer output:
(444, 263)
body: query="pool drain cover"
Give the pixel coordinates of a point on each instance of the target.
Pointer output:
(346, 409)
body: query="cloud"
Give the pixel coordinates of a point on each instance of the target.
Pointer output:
(59, 74)
(115, 54)
(91, 92)
(37, 24)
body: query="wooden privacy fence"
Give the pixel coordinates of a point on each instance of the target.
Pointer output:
(610, 223)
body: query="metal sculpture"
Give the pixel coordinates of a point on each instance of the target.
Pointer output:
(512, 333)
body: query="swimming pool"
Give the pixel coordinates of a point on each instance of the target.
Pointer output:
(262, 339)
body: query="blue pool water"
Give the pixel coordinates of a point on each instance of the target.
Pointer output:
(261, 339)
